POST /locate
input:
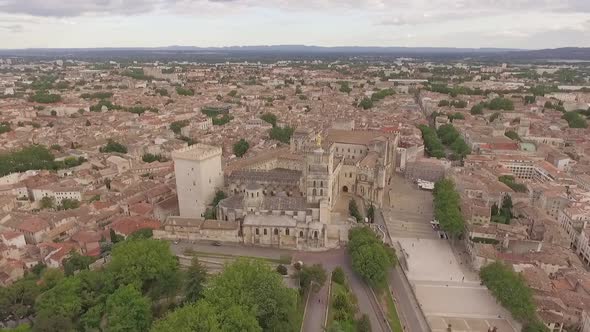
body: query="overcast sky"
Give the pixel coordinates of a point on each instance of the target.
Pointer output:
(454, 23)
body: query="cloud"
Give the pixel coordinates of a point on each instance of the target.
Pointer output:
(14, 28)
(73, 8)
(414, 11)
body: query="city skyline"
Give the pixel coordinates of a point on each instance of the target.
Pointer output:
(522, 24)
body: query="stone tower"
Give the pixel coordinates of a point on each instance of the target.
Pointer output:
(198, 176)
(318, 175)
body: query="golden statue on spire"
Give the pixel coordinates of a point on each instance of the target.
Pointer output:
(318, 140)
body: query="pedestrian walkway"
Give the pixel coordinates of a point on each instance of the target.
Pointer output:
(315, 314)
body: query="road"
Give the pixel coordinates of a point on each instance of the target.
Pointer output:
(367, 304)
(315, 314)
(411, 317)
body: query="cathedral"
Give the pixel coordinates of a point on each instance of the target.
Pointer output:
(285, 198)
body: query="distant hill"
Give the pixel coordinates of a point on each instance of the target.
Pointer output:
(276, 52)
(565, 53)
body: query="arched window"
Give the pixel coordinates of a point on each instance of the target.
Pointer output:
(300, 233)
(276, 231)
(314, 183)
(314, 192)
(321, 183)
(315, 234)
(287, 231)
(257, 194)
(257, 231)
(321, 192)
(265, 231)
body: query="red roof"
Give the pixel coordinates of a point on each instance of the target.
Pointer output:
(504, 146)
(9, 235)
(129, 225)
(141, 208)
(33, 225)
(86, 237)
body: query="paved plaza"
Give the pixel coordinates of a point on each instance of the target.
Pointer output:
(448, 290)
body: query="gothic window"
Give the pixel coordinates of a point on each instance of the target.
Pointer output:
(321, 192)
(314, 183)
(321, 183)
(314, 192)
(315, 234)
(276, 231)
(257, 194)
(257, 231)
(287, 231)
(265, 231)
(300, 233)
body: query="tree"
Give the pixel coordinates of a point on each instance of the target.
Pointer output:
(177, 126)
(201, 316)
(21, 328)
(575, 120)
(146, 263)
(494, 116)
(76, 262)
(5, 127)
(363, 324)
(282, 269)
(269, 118)
(17, 300)
(113, 146)
(241, 147)
(257, 289)
(127, 310)
(529, 99)
(456, 116)
(62, 301)
(432, 144)
(371, 213)
(447, 208)
(345, 88)
(511, 290)
(282, 134)
(114, 236)
(51, 277)
(477, 109)
(353, 210)
(144, 233)
(196, 277)
(338, 276)
(500, 103)
(69, 204)
(512, 135)
(366, 103)
(185, 92)
(312, 277)
(370, 258)
(47, 202)
(49, 322)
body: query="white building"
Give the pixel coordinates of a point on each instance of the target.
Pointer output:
(198, 176)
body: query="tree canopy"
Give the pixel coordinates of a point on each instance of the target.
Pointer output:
(241, 147)
(447, 208)
(113, 146)
(282, 135)
(370, 258)
(258, 290)
(127, 310)
(510, 289)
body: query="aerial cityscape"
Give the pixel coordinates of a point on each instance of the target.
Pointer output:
(294, 183)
